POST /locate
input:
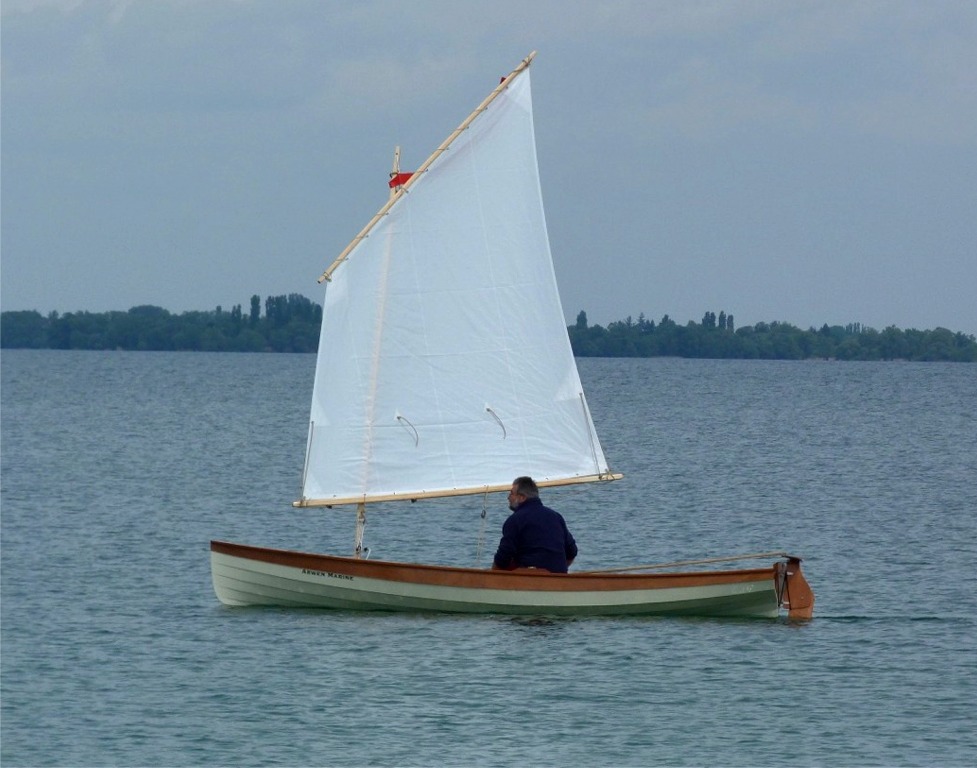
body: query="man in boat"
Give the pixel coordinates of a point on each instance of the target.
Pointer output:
(533, 536)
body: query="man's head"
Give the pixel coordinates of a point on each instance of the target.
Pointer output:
(522, 488)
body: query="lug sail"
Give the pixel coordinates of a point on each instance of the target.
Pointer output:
(444, 365)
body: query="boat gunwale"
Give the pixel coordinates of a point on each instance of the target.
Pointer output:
(460, 576)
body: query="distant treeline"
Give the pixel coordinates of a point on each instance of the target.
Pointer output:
(291, 324)
(716, 337)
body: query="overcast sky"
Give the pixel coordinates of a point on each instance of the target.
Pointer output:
(809, 162)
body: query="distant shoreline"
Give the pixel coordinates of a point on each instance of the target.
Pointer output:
(291, 324)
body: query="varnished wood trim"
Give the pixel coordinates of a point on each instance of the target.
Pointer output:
(476, 578)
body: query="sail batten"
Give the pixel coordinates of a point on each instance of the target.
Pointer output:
(445, 323)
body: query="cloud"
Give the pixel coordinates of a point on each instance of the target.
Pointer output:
(13, 7)
(892, 70)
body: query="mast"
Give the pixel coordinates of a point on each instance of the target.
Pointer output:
(360, 527)
(397, 179)
(395, 172)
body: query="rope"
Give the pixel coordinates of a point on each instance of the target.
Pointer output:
(481, 533)
(757, 556)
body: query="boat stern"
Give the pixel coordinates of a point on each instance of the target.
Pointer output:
(793, 591)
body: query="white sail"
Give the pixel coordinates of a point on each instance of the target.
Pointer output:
(444, 365)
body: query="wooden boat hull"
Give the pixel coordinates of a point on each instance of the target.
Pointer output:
(246, 575)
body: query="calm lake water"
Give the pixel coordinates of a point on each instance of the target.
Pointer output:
(118, 468)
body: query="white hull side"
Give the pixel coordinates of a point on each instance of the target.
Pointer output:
(240, 581)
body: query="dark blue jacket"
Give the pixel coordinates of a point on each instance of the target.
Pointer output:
(535, 536)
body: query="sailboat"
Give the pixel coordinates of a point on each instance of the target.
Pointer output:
(444, 369)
